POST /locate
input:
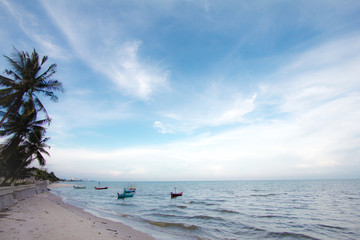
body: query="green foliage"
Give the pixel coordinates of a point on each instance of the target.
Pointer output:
(44, 175)
(23, 132)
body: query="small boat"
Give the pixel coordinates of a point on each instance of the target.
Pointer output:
(79, 187)
(175, 194)
(125, 195)
(100, 188)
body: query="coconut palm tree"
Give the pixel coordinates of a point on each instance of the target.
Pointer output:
(24, 134)
(26, 82)
(25, 142)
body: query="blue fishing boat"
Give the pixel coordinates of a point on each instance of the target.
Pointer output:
(125, 195)
(79, 187)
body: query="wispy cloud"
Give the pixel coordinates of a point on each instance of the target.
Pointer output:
(132, 75)
(107, 49)
(218, 104)
(33, 27)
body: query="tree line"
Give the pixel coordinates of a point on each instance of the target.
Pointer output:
(24, 119)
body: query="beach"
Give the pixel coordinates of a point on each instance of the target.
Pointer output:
(46, 216)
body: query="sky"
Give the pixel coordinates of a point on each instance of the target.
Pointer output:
(196, 89)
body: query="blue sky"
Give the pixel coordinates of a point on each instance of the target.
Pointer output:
(197, 90)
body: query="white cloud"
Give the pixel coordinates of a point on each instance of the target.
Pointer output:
(162, 127)
(130, 74)
(32, 26)
(105, 49)
(218, 105)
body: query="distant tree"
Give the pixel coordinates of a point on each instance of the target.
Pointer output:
(44, 175)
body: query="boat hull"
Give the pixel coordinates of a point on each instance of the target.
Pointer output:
(101, 188)
(173, 195)
(125, 195)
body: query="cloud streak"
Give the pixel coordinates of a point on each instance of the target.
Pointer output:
(117, 58)
(32, 26)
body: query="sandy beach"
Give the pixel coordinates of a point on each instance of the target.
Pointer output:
(45, 216)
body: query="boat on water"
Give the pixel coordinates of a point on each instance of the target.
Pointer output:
(79, 187)
(175, 194)
(125, 195)
(101, 188)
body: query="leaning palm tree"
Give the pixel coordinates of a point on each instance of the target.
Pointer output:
(25, 142)
(25, 82)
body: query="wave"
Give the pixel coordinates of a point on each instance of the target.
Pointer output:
(332, 227)
(277, 235)
(164, 215)
(173, 225)
(289, 235)
(178, 206)
(205, 217)
(201, 203)
(269, 216)
(216, 200)
(272, 216)
(263, 195)
(226, 211)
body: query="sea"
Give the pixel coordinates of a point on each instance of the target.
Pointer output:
(296, 209)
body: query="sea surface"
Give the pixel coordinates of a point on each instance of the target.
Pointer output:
(306, 209)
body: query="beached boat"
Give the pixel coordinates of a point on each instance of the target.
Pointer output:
(125, 195)
(79, 187)
(101, 188)
(175, 194)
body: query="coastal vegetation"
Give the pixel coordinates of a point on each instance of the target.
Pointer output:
(44, 175)
(24, 119)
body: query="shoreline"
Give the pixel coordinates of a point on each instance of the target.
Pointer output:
(46, 216)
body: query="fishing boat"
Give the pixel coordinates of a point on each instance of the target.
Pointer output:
(125, 195)
(79, 187)
(101, 188)
(175, 194)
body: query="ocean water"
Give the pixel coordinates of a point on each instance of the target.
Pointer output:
(308, 209)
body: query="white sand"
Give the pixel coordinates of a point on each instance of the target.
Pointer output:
(45, 216)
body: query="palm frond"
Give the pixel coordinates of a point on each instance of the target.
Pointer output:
(6, 82)
(48, 73)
